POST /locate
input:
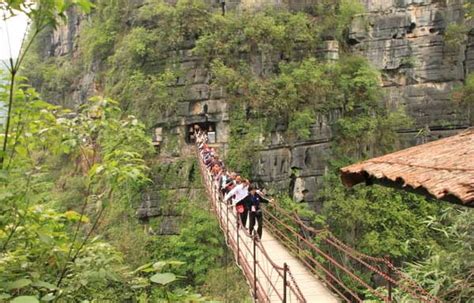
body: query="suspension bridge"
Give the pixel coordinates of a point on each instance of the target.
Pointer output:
(293, 262)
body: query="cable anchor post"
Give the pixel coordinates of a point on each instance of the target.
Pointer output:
(254, 238)
(285, 282)
(238, 240)
(389, 274)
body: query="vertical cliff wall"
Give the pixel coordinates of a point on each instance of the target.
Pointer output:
(404, 39)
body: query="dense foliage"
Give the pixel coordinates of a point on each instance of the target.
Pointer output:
(70, 182)
(53, 254)
(200, 246)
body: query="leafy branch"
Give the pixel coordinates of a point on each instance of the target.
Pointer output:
(44, 14)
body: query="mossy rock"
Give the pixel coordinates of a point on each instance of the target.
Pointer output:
(183, 173)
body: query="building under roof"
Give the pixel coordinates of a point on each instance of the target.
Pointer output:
(442, 169)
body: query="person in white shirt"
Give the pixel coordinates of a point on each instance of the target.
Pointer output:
(238, 193)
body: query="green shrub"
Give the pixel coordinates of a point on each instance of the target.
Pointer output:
(300, 124)
(99, 34)
(200, 246)
(455, 35)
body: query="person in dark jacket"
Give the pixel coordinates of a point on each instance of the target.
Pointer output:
(253, 204)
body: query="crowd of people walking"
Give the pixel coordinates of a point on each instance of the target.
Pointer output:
(235, 190)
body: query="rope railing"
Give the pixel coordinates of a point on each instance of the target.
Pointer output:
(343, 269)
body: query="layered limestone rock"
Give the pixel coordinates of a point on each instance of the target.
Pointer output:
(403, 38)
(297, 167)
(201, 104)
(63, 39)
(172, 180)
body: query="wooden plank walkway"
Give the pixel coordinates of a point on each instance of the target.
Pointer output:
(310, 286)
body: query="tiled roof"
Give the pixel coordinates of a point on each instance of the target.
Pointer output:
(443, 169)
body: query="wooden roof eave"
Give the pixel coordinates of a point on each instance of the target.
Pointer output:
(351, 179)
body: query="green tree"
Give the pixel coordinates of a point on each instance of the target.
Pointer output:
(43, 14)
(51, 255)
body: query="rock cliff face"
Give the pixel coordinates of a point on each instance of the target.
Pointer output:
(178, 179)
(403, 38)
(406, 41)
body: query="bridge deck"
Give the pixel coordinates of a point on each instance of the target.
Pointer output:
(265, 259)
(311, 287)
(313, 290)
